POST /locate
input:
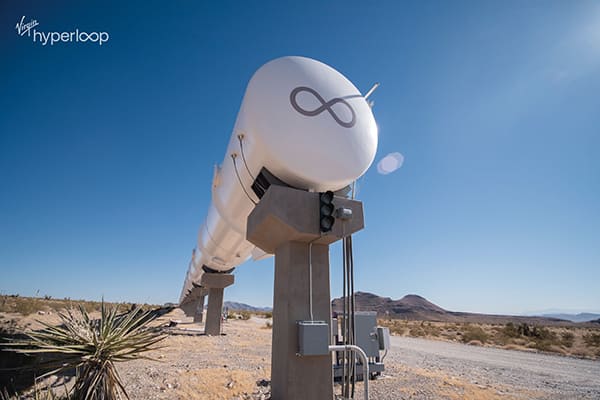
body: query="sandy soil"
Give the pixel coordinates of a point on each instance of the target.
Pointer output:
(236, 365)
(194, 366)
(191, 365)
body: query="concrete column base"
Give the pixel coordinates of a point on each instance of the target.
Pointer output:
(216, 284)
(294, 377)
(199, 312)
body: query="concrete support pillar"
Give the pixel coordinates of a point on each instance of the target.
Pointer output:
(294, 377)
(199, 312)
(214, 312)
(215, 283)
(188, 308)
(284, 223)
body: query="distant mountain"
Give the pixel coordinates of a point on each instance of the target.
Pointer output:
(414, 307)
(410, 306)
(232, 305)
(581, 317)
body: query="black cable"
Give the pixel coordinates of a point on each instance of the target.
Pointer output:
(353, 305)
(349, 382)
(352, 359)
(240, 180)
(344, 327)
(240, 138)
(351, 355)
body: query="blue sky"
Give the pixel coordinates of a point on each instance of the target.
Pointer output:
(106, 152)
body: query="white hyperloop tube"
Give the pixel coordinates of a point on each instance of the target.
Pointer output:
(302, 122)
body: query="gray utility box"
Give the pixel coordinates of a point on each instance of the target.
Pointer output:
(368, 336)
(383, 334)
(313, 338)
(366, 332)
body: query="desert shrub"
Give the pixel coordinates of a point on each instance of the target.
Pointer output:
(26, 306)
(567, 339)
(472, 333)
(431, 330)
(544, 345)
(30, 305)
(524, 330)
(243, 315)
(544, 334)
(592, 339)
(395, 326)
(38, 394)
(92, 347)
(510, 331)
(544, 338)
(416, 331)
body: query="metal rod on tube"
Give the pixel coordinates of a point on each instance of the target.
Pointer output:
(370, 92)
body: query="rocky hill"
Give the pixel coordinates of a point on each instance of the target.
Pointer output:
(232, 305)
(414, 307)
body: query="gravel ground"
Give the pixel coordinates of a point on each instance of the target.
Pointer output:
(237, 366)
(192, 365)
(427, 369)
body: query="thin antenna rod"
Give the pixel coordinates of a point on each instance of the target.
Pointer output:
(370, 92)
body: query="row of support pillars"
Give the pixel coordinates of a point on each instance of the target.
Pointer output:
(199, 311)
(211, 285)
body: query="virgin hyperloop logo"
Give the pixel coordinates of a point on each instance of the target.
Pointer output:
(325, 106)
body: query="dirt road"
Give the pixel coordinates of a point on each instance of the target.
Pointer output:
(489, 371)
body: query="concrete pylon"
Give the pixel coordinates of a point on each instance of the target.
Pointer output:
(284, 223)
(188, 308)
(215, 283)
(199, 312)
(194, 301)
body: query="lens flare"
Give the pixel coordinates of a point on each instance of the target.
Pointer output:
(390, 163)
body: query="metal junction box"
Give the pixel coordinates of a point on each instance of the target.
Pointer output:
(313, 338)
(369, 337)
(383, 334)
(366, 332)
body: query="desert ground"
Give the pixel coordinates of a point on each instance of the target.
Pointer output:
(236, 365)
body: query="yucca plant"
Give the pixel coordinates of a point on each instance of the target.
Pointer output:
(93, 347)
(37, 394)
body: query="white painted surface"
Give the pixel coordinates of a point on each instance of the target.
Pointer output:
(324, 151)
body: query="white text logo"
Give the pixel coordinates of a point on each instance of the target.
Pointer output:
(25, 28)
(75, 36)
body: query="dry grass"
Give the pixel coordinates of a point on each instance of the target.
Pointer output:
(15, 304)
(565, 340)
(239, 314)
